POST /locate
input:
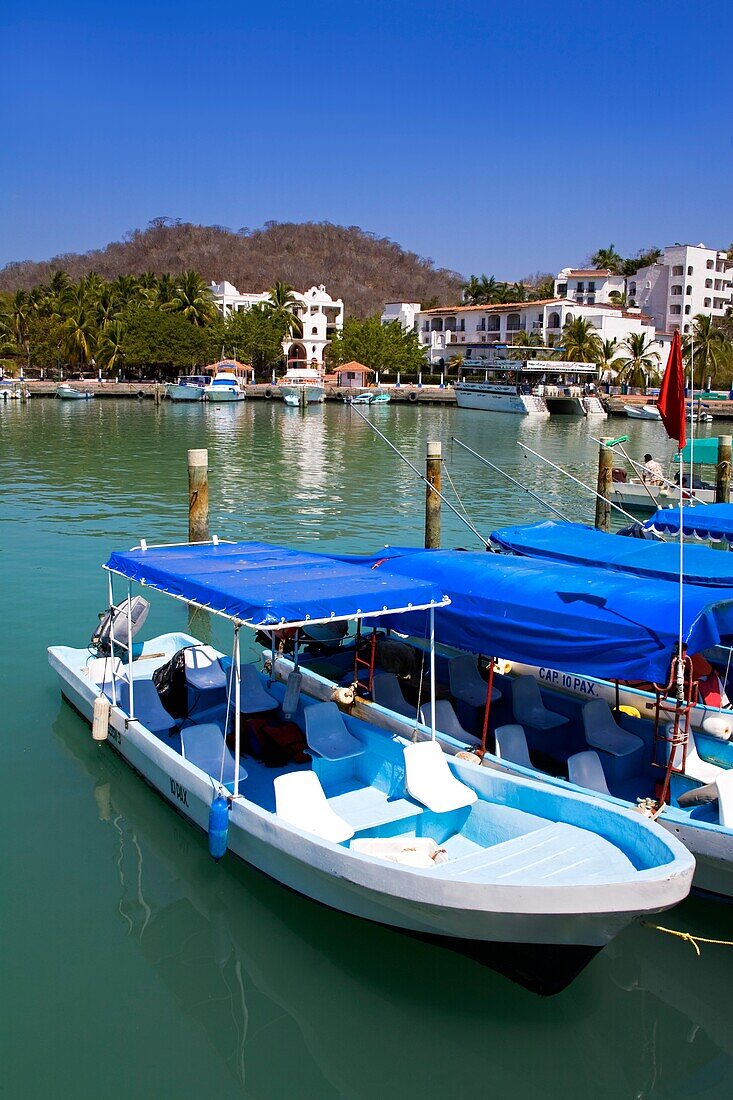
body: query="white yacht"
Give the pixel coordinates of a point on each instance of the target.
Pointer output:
(532, 387)
(225, 386)
(303, 383)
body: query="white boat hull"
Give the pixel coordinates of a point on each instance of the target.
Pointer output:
(222, 395)
(648, 498)
(304, 395)
(644, 412)
(487, 398)
(177, 391)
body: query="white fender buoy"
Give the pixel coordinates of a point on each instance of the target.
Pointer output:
(100, 721)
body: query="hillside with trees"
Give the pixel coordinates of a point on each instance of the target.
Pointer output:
(362, 268)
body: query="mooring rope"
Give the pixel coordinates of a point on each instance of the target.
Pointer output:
(687, 936)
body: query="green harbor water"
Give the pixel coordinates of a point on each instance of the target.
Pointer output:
(134, 966)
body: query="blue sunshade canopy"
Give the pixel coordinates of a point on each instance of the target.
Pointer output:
(264, 586)
(568, 617)
(576, 544)
(709, 521)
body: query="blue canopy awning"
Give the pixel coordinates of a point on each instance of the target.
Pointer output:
(709, 521)
(574, 618)
(576, 544)
(263, 585)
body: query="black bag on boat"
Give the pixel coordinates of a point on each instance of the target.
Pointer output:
(170, 682)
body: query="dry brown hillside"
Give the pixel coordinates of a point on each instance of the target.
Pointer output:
(363, 269)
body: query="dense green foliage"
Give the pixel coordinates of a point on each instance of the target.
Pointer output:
(380, 347)
(164, 324)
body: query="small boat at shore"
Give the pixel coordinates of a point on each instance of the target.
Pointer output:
(529, 879)
(69, 393)
(189, 387)
(642, 412)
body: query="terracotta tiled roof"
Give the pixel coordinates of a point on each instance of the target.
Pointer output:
(589, 272)
(354, 366)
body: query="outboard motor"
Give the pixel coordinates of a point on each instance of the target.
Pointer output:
(115, 622)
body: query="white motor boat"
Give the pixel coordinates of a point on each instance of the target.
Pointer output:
(642, 412)
(68, 393)
(528, 879)
(224, 386)
(189, 387)
(303, 383)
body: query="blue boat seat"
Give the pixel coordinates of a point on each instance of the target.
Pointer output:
(327, 735)
(604, 733)
(386, 691)
(511, 745)
(203, 745)
(301, 801)
(467, 683)
(586, 770)
(254, 698)
(149, 710)
(430, 781)
(446, 721)
(203, 668)
(529, 710)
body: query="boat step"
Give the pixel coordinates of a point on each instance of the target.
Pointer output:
(551, 855)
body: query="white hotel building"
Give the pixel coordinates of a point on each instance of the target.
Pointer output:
(470, 331)
(321, 315)
(689, 279)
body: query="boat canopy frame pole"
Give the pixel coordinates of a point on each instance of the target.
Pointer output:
(237, 717)
(498, 469)
(110, 590)
(432, 673)
(577, 481)
(129, 651)
(405, 459)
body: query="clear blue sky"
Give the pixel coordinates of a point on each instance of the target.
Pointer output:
(495, 137)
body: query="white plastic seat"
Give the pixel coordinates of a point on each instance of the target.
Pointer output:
(446, 721)
(254, 698)
(529, 710)
(604, 733)
(467, 683)
(203, 668)
(695, 767)
(387, 692)
(586, 770)
(204, 746)
(511, 744)
(301, 801)
(430, 781)
(721, 790)
(327, 735)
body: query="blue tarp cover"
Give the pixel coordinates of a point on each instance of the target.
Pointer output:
(265, 585)
(573, 618)
(577, 544)
(708, 521)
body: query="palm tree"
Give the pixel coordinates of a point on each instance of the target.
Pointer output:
(641, 362)
(192, 299)
(608, 259)
(166, 289)
(522, 341)
(79, 334)
(581, 342)
(608, 352)
(471, 292)
(282, 304)
(705, 349)
(110, 346)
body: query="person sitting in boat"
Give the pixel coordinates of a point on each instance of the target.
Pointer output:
(652, 473)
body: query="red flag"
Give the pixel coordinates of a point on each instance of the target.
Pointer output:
(671, 403)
